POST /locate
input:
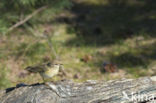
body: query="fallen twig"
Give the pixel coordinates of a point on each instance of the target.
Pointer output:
(26, 18)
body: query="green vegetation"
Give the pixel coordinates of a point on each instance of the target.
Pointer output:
(19, 10)
(84, 33)
(4, 81)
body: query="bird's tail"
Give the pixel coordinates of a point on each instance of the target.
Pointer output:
(30, 69)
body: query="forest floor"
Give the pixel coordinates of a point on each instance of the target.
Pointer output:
(93, 32)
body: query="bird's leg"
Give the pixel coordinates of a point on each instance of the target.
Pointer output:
(50, 85)
(43, 79)
(53, 87)
(47, 81)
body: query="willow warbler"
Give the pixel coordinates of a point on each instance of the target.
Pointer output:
(46, 70)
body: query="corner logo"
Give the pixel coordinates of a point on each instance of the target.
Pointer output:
(138, 97)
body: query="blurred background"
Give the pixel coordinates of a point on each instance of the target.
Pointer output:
(95, 39)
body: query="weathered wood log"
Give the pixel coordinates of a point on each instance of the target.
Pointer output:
(142, 90)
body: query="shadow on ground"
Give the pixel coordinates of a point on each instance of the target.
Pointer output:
(104, 24)
(109, 23)
(134, 61)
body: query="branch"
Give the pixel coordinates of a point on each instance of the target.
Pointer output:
(142, 90)
(27, 18)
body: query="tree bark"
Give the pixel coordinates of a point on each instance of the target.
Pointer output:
(142, 90)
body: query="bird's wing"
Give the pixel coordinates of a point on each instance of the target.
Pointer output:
(39, 68)
(36, 69)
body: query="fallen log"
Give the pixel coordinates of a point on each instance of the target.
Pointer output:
(141, 90)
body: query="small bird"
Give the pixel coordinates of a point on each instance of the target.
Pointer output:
(46, 70)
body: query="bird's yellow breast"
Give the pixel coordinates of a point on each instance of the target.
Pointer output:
(50, 73)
